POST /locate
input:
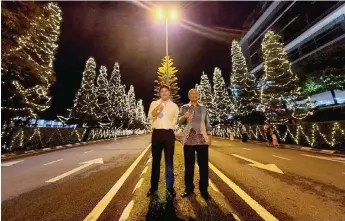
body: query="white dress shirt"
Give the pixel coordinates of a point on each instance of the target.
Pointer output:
(167, 119)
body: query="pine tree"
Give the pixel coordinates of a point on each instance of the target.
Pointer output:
(279, 90)
(27, 66)
(103, 104)
(242, 83)
(221, 100)
(140, 115)
(166, 75)
(205, 95)
(85, 101)
(131, 105)
(117, 101)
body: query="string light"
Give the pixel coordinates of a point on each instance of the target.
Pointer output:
(300, 132)
(242, 83)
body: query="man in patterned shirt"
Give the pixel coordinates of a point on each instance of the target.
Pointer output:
(197, 138)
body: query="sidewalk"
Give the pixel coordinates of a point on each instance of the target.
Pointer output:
(162, 207)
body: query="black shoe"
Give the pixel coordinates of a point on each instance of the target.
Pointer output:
(151, 192)
(186, 194)
(205, 195)
(171, 192)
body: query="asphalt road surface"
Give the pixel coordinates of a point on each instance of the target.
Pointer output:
(109, 181)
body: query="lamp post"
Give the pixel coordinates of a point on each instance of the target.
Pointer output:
(170, 16)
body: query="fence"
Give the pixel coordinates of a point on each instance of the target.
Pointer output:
(325, 135)
(28, 138)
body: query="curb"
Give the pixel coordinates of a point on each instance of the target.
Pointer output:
(11, 156)
(307, 149)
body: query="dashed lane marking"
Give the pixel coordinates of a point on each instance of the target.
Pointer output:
(247, 149)
(125, 214)
(324, 158)
(263, 213)
(89, 151)
(144, 171)
(281, 157)
(100, 207)
(53, 162)
(138, 185)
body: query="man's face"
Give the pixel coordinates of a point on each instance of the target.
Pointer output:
(165, 94)
(193, 95)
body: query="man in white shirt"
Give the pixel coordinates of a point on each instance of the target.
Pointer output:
(163, 115)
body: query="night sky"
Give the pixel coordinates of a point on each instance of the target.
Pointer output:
(127, 33)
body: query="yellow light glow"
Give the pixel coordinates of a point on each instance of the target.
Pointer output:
(160, 14)
(173, 15)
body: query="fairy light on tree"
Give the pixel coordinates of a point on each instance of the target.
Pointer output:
(205, 95)
(131, 105)
(102, 104)
(221, 100)
(86, 98)
(242, 83)
(27, 68)
(280, 89)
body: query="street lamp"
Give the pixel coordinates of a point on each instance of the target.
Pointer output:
(168, 16)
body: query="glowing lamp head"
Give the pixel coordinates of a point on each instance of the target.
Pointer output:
(173, 15)
(160, 14)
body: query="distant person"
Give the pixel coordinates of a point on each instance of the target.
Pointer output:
(197, 138)
(274, 137)
(244, 133)
(267, 129)
(163, 115)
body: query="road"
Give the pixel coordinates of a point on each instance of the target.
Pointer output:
(109, 181)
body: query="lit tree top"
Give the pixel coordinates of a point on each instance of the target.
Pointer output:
(166, 75)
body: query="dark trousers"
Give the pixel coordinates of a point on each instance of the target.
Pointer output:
(244, 137)
(162, 140)
(189, 164)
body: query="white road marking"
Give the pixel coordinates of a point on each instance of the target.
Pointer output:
(339, 158)
(139, 183)
(149, 160)
(125, 214)
(59, 147)
(144, 171)
(11, 163)
(89, 151)
(306, 148)
(263, 213)
(247, 149)
(281, 157)
(270, 167)
(53, 162)
(323, 158)
(46, 149)
(100, 207)
(235, 217)
(86, 164)
(69, 145)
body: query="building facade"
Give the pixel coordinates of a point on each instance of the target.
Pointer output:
(306, 29)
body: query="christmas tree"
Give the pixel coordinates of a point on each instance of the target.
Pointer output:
(166, 75)
(221, 100)
(140, 115)
(85, 102)
(103, 104)
(116, 96)
(279, 90)
(242, 83)
(205, 94)
(27, 65)
(131, 105)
